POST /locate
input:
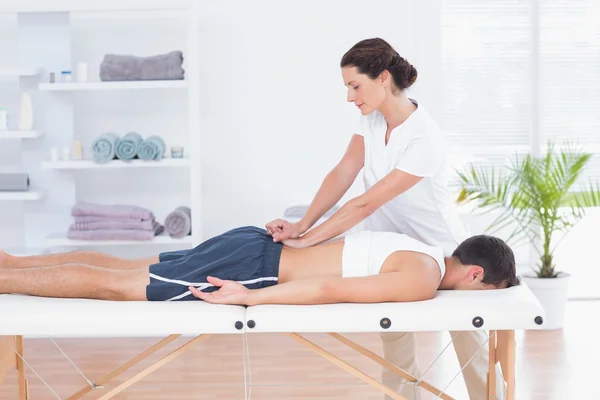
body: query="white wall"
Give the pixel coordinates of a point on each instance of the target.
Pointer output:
(275, 118)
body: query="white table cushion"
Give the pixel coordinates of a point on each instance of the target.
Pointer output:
(502, 309)
(30, 315)
(513, 308)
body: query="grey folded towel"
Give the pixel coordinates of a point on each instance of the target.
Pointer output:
(179, 222)
(118, 67)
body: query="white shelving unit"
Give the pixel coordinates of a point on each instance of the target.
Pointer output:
(132, 85)
(22, 196)
(53, 29)
(89, 164)
(19, 72)
(19, 134)
(61, 240)
(14, 74)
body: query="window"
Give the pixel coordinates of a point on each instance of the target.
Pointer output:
(570, 76)
(516, 74)
(486, 67)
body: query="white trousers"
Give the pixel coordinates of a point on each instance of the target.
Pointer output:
(399, 348)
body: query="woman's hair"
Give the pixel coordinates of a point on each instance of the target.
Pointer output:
(373, 56)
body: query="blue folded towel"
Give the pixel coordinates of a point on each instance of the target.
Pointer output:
(103, 147)
(128, 145)
(153, 148)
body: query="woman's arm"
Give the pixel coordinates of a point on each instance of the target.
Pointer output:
(359, 208)
(336, 183)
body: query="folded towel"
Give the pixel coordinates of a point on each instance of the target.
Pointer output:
(127, 147)
(300, 210)
(179, 222)
(118, 67)
(153, 148)
(103, 147)
(112, 210)
(158, 228)
(111, 234)
(100, 218)
(121, 223)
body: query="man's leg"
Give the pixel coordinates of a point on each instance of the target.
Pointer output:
(400, 348)
(466, 344)
(76, 281)
(95, 258)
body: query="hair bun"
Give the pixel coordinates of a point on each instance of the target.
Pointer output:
(405, 74)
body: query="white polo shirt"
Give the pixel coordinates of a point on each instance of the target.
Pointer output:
(425, 212)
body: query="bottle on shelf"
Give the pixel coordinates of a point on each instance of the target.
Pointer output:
(25, 112)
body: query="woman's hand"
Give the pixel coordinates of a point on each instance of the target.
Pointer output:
(230, 292)
(281, 230)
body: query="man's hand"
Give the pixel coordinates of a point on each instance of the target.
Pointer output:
(281, 229)
(230, 292)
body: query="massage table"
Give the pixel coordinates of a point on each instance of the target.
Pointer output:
(499, 312)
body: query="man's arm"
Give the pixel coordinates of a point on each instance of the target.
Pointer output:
(387, 287)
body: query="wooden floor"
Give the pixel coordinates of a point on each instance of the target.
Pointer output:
(551, 365)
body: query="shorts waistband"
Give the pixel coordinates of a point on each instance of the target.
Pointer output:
(272, 256)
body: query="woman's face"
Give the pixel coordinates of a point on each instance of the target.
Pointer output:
(366, 93)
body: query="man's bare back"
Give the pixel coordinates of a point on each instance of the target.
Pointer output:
(325, 261)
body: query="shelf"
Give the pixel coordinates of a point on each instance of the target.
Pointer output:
(17, 134)
(14, 6)
(89, 164)
(121, 85)
(25, 251)
(61, 239)
(18, 72)
(16, 196)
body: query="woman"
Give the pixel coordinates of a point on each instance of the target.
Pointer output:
(403, 153)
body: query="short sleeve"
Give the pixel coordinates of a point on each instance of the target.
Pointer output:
(423, 156)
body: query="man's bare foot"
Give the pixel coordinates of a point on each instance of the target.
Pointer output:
(3, 256)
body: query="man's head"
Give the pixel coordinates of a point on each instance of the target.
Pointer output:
(484, 262)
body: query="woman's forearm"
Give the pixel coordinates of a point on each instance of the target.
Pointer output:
(307, 291)
(335, 184)
(347, 217)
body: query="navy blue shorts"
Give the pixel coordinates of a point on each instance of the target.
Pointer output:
(247, 255)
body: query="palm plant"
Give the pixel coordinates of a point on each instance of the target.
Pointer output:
(534, 192)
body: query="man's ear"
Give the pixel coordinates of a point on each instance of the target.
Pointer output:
(476, 274)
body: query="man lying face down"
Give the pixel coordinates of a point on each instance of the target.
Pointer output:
(244, 266)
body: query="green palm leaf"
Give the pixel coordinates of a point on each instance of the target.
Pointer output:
(533, 193)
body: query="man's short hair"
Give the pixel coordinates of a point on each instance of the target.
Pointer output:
(493, 255)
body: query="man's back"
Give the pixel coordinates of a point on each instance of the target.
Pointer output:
(359, 254)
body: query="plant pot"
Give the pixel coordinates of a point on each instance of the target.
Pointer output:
(552, 294)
